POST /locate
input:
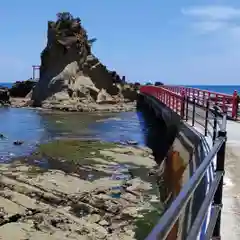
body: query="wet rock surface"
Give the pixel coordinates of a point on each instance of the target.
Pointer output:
(90, 190)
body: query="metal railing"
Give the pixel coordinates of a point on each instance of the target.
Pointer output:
(227, 102)
(209, 118)
(213, 118)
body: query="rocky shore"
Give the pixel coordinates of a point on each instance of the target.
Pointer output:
(72, 189)
(72, 107)
(68, 105)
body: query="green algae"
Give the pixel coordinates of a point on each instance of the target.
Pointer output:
(34, 171)
(74, 150)
(146, 224)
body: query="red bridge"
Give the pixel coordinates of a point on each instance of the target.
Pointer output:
(213, 109)
(175, 96)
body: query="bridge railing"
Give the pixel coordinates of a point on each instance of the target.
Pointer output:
(228, 103)
(169, 98)
(210, 118)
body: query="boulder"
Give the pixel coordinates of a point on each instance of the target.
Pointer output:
(129, 92)
(104, 97)
(21, 89)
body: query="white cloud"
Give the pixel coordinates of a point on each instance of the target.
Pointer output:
(214, 57)
(206, 19)
(203, 27)
(212, 12)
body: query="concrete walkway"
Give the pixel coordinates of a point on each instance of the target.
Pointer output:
(231, 195)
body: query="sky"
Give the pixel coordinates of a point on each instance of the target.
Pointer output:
(173, 41)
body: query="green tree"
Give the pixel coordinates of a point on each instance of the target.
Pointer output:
(64, 16)
(91, 41)
(64, 20)
(158, 84)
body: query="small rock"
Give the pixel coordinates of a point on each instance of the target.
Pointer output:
(97, 231)
(138, 185)
(146, 154)
(104, 223)
(90, 176)
(131, 211)
(1, 136)
(155, 199)
(29, 212)
(131, 142)
(18, 142)
(130, 232)
(152, 172)
(94, 218)
(130, 197)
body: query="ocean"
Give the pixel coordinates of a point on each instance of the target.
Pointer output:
(228, 89)
(4, 84)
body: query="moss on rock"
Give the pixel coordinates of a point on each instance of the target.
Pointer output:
(74, 150)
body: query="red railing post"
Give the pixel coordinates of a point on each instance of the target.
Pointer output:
(182, 104)
(234, 104)
(224, 107)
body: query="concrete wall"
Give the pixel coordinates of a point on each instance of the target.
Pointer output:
(162, 124)
(179, 150)
(186, 154)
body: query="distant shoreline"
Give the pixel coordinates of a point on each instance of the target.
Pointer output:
(228, 89)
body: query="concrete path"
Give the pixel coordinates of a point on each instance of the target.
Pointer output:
(231, 195)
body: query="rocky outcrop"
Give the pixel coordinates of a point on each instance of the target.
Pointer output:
(70, 75)
(4, 96)
(21, 89)
(100, 196)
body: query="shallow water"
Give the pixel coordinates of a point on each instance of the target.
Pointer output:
(33, 127)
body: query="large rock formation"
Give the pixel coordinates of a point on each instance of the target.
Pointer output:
(70, 74)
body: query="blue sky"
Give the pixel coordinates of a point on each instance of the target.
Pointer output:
(174, 41)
